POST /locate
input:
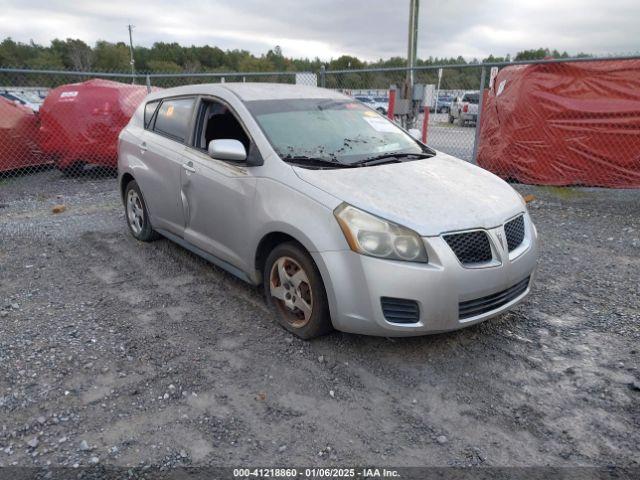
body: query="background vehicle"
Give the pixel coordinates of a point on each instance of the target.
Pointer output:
(30, 101)
(80, 122)
(380, 104)
(443, 105)
(18, 131)
(464, 109)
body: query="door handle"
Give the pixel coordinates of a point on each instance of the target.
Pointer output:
(143, 147)
(189, 167)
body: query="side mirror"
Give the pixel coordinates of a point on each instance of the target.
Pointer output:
(416, 134)
(227, 149)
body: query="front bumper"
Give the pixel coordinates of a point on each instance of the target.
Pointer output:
(356, 283)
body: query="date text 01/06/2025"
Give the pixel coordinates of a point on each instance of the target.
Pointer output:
(315, 473)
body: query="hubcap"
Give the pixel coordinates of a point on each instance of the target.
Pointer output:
(135, 212)
(289, 285)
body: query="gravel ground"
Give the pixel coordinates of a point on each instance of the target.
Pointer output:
(123, 353)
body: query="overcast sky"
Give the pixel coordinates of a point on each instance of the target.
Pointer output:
(369, 29)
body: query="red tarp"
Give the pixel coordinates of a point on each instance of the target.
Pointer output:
(564, 124)
(80, 122)
(18, 133)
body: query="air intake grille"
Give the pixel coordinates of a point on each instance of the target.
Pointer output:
(471, 308)
(470, 247)
(400, 310)
(514, 230)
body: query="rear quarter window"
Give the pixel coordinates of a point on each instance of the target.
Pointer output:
(173, 118)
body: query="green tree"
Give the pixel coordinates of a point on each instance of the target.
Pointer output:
(111, 56)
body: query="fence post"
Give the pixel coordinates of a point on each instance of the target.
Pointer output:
(148, 84)
(474, 157)
(323, 72)
(392, 103)
(425, 123)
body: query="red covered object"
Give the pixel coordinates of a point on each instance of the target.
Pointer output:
(80, 122)
(564, 124)
(18, 133)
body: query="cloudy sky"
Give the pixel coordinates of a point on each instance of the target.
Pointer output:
(369, 29)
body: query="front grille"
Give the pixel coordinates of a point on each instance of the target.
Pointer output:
(471, 308)
(514, 230)
(470, 247)
(400, 310)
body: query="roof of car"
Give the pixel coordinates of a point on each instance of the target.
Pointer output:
(253, 91)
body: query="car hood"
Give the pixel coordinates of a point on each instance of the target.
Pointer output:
(431, 196)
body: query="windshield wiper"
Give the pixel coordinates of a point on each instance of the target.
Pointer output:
(397, 157)
(314, 162)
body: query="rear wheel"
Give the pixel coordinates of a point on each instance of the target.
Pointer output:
(295, 291)
(137, 214)
(451, 119)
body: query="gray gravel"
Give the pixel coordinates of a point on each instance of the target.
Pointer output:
(122, 353)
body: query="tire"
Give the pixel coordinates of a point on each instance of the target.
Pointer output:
(137, 215)
(284, 264)
(451, 119)
(381, 111)
(73, 170)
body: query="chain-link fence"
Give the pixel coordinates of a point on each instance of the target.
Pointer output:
(569, 122)
(552, 122)
(67, 123)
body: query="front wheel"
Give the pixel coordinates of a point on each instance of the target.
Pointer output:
(137, 213)
(295, 291)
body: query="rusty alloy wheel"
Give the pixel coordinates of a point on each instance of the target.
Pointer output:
(289, 285)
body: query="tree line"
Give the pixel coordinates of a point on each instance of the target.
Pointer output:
(162, 57)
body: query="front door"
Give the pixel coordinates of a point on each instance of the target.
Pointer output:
(217, 195)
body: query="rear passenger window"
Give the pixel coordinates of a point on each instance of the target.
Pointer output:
(149, 110)
(173, 118)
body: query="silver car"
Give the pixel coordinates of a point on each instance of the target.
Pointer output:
(344, 218)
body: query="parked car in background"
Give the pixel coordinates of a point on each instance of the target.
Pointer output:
(380, 104)
(80, 122)
(443, 105)
(18, 133)
(465, 108)
(346, 220)
(22, 99)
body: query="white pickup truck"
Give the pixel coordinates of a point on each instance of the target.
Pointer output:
(465, 109)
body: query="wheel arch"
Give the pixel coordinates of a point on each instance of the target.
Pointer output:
(276, 236)
(267, 243)
(124, 181)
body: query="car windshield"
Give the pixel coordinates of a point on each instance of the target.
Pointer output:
(381, 99)
(338, 131)
(471, 98)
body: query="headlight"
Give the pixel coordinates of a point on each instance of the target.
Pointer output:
(371, 235)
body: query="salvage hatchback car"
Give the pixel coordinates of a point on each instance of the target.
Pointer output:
(344, 218)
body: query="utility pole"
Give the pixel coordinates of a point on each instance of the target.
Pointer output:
(133, 67)
(412, 47)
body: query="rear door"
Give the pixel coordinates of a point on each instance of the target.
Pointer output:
(163, 149)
